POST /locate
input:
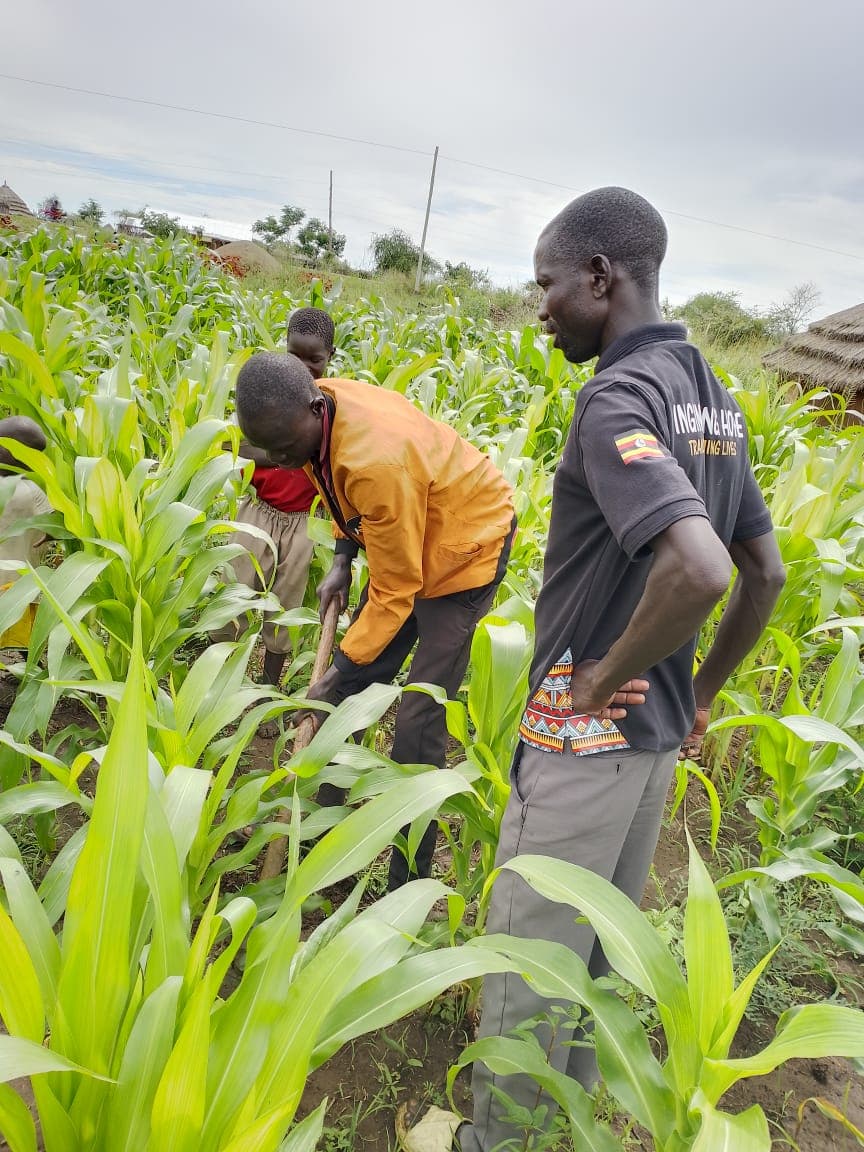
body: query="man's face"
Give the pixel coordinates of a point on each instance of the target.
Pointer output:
(570, 310)
(290, 440)
(312, 350)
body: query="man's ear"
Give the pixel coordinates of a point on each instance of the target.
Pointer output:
(601, 276)
(316, 406)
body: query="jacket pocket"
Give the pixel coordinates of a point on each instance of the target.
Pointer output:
(459, 553)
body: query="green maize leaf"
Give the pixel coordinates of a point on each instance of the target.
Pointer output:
(11, 346)
(809, 728)
(798, 862)
(240, 915)
(630, 1069)
(19, 1057)
(707, 952)
(50, 763)
(163, 532)
(368, 830)
(840, 680)
(507, 1056)
(42, 467)
(58, 1130)
(218, 670)
(183, 797)
(735, 1008)
(61, 589)
(845, 937)
(8, 848)
(14, 601)
(199, 950)
(394, 993)
(95, 975)
(302, 1138)
(361, 951)
(43, 796)
(685, 768)
(111, 509)
(144, 1059)
(720, 1132)
(810, 1032)
(179, 467)
(266, 1134)
(328, 929)
(837, 622)
(162, 872)
(401, 376)
(631, 944)
(54, 888)
(21, 1004)
(16, 1123)
(33, 926)
(406, 909)
(179, 1103)
(352, 715)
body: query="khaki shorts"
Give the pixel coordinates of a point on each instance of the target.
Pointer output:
(287, 576)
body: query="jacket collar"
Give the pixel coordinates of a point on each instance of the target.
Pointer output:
(637, 338)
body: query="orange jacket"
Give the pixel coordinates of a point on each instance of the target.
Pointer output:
(433, 510)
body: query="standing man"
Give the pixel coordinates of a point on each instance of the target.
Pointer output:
(654, 501)
(435, 518)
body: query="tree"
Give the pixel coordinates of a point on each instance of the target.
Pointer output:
(272, 228)
(315, 242)
(463, 274)
(395, 251)
(52, 209)
(161, 224)
(92, 212)
(792, 313)
(719, 317)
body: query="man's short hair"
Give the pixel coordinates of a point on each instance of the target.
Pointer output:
(312, 322)
(25, 431)
(272, 381)
(615, 223)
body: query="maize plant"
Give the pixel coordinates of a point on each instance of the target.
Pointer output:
(677, 1098)
(130, 1022)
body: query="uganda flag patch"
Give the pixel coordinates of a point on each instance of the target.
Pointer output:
(638, 446)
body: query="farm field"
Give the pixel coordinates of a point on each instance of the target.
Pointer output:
(156, 994)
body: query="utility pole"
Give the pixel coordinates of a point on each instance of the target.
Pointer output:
(426, 223)
(330, 219)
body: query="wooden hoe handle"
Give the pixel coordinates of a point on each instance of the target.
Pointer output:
(274, 858)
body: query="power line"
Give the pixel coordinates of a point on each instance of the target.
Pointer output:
(411, 151)
(206, 112)
(664, 211)
(164, 163)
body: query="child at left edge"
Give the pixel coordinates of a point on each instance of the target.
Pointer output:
(27, 500)
(280, 505)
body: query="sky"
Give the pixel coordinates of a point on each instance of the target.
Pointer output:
(748, 114)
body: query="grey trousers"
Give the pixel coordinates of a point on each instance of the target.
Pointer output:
(603, 812)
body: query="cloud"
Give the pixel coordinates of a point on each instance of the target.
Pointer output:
(707, 113)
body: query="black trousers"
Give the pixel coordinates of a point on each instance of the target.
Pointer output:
(442, 628)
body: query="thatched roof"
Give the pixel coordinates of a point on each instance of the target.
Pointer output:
(11, 203)
(830, 354)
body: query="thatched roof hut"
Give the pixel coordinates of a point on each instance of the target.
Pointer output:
(11, 203)
(830, 354)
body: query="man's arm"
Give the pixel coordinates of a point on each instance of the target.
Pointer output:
(761, 577)
(689, 575)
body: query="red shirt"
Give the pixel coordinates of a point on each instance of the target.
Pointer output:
(288, 489)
